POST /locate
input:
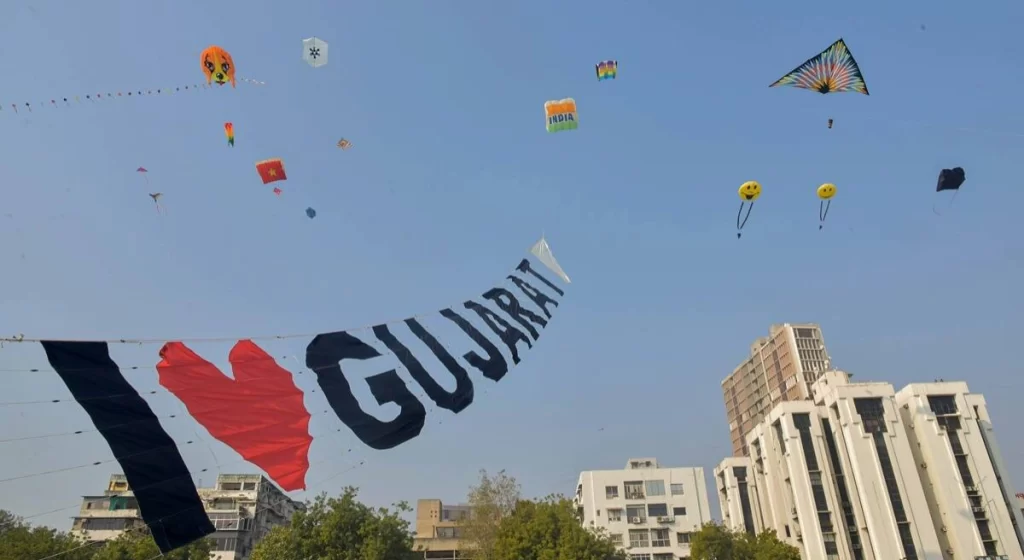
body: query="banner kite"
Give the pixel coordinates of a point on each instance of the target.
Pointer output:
(261, 413)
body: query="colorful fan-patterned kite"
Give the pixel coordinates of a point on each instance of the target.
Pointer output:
(832, 71)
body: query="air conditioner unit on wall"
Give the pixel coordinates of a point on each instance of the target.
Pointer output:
(636, 520)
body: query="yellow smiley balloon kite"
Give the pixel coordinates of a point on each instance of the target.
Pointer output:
(749, 192)
(825, 193)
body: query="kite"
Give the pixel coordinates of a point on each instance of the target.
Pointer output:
(229, 131)
(825, 193)
(311, 213)
(344, 144)
(156, 200)
(253, 405)
(950, 180)
(607, 70)
(271, 170)
(833, 70)
(314, 51)
(218, 65)
(749, 192)
(561, 115)
(145, 172)
(277, 191)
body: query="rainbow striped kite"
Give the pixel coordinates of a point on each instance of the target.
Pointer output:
(229, 131)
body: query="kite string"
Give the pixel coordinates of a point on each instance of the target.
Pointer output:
(22, 338)
(749, 208)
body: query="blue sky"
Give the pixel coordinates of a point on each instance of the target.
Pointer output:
(452, 177)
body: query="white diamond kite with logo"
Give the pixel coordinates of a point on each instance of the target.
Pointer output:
(314, 51)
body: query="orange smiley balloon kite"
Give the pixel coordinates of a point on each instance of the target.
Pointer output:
(218, 65)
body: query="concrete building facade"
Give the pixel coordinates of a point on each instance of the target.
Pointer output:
(242, 507)
(780, 368)
(741, 510)
(861, 473)
(959, 461)
(649, 511)
(438, 534)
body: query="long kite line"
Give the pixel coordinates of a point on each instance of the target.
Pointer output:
(72, 100)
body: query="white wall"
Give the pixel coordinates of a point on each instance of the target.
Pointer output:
(729, 495)
(952, 513)
(592, 499)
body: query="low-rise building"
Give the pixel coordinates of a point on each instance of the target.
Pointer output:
(242, 507)
(438, 533)
(648, 510)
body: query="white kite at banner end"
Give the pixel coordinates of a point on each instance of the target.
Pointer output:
(542, 251)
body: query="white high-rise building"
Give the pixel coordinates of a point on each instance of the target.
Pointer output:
(861, 473)
(740, 508)
(648, 510)
(962, 469)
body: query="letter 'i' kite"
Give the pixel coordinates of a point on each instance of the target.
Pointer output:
(833, 70)
(271, 170)
(229, 131)
(749, 192)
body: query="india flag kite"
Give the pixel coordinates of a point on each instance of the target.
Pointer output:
(561, 115)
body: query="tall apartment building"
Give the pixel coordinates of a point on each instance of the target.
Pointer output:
(438, 534)
(781, 367)
(242, 507)
(861, 473)
(740, 507)
(962, 468)
(648, 510)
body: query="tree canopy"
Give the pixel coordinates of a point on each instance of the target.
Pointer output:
(716, 542)
(549, 529)
(340, 529)
(492, 499)
(20, 541)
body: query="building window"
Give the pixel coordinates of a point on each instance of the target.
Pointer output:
(231, 486)
(445, 532)
(638, 538)
(660, 537)
(611, 492)
(615, 514)
(677, 489)
(616, 538)
(682, 538)
(636, 514)
(679, 511)
(657, 510)
(655, 487)
(634, 490)
(664, 556)
(249, 486)
(639, 557)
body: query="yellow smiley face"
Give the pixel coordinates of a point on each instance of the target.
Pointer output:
(749, 191)
(826, 191)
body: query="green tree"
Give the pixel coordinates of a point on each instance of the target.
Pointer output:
(492, 499)
(549, 529)
(139, 545)
(716, 542)
(340, 529)
(20, 541)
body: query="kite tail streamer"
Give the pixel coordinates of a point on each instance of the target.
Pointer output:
(739, 225)
(948, 206)
(823, 207)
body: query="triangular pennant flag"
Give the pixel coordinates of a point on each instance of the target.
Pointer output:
(542, 251)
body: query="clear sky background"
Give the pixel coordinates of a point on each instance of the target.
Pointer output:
(452, 176)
